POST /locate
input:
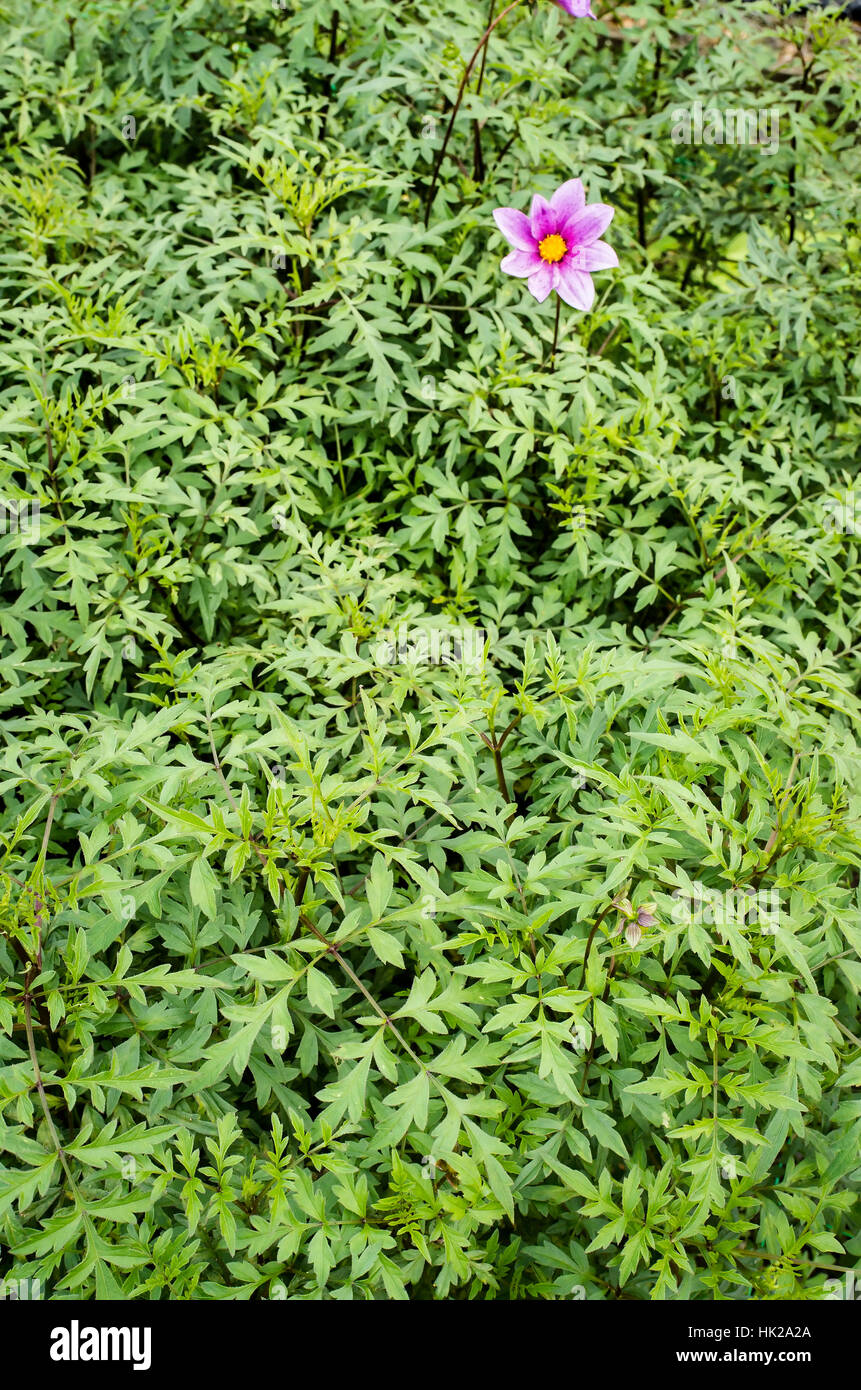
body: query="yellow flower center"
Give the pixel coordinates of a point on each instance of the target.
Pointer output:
(552, 248)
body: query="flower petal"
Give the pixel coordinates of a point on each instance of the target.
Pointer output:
(542, 219)
(597, 256)
(521, 263)
(588, 225)
(568, 200)
(514, 226)
(575, 288)
(541, 283)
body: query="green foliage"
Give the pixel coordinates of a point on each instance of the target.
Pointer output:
(315, 982)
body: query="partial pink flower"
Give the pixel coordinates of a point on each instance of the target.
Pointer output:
(580, 9)
(633, 934)
(557, 246)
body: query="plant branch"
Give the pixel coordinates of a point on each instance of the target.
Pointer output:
(457, 102)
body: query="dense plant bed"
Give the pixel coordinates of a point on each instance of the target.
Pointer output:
(430, 844)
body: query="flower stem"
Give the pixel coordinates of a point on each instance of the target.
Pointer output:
(457, 101)
(478, 170)
(478, 85)
(555, 331)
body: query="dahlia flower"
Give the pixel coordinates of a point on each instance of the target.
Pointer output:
(557, 246)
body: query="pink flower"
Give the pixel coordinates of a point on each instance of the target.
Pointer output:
(557, 246)
(580, 9)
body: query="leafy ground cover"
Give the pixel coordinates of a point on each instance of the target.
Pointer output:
(430, 839)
